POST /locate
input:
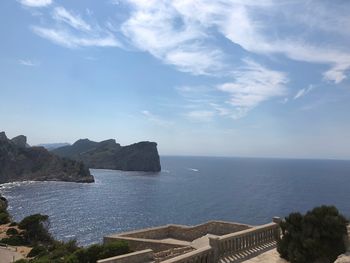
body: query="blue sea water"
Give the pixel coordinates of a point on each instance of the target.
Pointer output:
(189, 190)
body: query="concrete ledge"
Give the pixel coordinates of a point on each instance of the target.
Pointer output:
(135, 257)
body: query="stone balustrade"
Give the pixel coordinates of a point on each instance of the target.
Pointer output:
(231, 244)
(219, 248)
(143, 256)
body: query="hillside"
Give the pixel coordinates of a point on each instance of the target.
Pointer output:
(108, 154)
(20, 162)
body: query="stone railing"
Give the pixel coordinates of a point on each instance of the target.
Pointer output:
(238, 242)
(230, 244)
(202, 255)
(218, 249)
(135, 257)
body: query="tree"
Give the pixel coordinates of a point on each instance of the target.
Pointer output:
(318, 236)
(36, 229)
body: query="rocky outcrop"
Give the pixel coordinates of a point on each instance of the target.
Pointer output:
(20, 162)
(20, 141)
(344, 258)
(142, 156)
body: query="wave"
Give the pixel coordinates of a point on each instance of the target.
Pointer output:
(193, 169)
(6, 186)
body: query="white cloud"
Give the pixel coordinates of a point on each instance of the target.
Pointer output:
(72, 31)
(198, 61)
(27, 62)
(158, 28)
(75, 21)
(201, 115)
(303, 92)
(162, 28)
(252, 86)
(36, 3)
(71, 40)
(255, 35)
(156, 119)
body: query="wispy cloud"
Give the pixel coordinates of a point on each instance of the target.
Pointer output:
(167, 27)
(188, 36)
(36, 3)
(253, 85)
(68, 39)
(200, 115)
(156, 119)
(303, 92)
(154, 27)
(27, 62)
(250, 85)
(250, 30)
(75, 21)
(73, 31)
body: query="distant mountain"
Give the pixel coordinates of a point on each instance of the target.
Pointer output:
(20, 162)
(51, 146)
(142, 156)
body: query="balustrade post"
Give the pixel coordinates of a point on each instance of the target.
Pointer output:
(214, 242)
(277, 232)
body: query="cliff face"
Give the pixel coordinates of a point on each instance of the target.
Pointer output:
(20, 162)
(142, 156)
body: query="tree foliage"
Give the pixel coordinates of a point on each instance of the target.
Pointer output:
(70, 252)
(318, 236)
(36, 229)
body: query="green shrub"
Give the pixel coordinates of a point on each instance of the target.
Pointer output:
(37, 250)
(4, 217)
(317, 236)
(114, 249)
(95, 252)
(16, 240)
(11, 231)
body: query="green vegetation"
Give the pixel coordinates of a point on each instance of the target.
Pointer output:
(11, 231)
(317, 236)
(15, 240)
(36, 229)
(4, 217)
(37, 250)
(69, 252)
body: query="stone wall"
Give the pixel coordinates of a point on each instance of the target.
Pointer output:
(217, 228)
(137, 244)
(149, 233)
(186, 233)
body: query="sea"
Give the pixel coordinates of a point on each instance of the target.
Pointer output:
(188, 190)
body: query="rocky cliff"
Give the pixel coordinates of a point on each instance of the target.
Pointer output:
(20, 162)
(142, 156)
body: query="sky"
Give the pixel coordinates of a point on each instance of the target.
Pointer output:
(246, 78)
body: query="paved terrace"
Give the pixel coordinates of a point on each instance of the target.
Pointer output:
(214, 241)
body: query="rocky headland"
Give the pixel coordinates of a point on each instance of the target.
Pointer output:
(20, 162)
(141, 156)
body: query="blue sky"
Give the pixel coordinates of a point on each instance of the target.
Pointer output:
(224, 78)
